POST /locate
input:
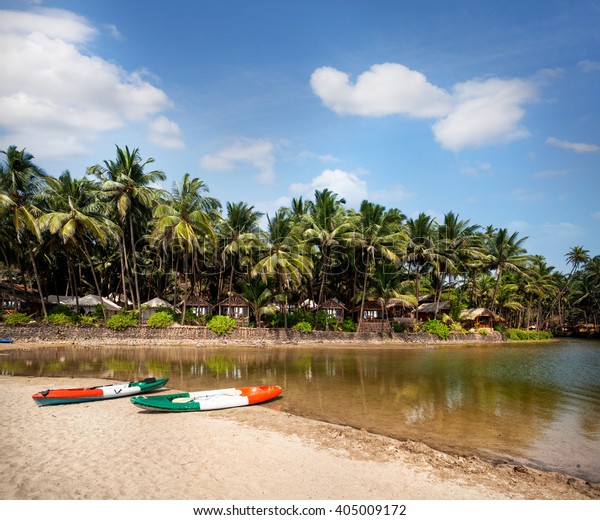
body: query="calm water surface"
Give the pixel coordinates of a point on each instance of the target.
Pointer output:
(538, 404)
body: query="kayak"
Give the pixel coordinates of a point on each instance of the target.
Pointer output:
(207, 399)
(6, 340)
(96, 393)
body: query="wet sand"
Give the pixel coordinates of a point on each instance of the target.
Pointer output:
(111, 450)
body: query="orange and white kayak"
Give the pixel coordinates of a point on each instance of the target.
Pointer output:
(207, 399)
(97, 393)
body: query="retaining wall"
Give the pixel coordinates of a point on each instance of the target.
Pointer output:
(193, 335)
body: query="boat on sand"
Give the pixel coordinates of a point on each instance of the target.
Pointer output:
(96, 393)
(207, 399)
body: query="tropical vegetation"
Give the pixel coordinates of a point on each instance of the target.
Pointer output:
(114, 232)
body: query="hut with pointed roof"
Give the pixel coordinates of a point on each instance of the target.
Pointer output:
(236, 307)
(199, 306)
(154, 305)
(478, 318)
(333, 308)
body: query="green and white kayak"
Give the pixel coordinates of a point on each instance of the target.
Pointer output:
(207, 399)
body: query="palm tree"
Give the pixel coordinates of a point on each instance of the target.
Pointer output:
(389, 286)
(239, 233)
(506, 254)
(327, 226)
(20, 180)
(182, 225)
(378, 235)
(286, 259)
(420, 249)
(256, 292)
(130, 190)
(459, 247)
(577, 256)
(75, 217)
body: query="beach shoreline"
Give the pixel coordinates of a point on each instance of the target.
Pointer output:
(99, 450)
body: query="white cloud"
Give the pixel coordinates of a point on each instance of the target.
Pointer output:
(475, 168)
(385, 89)
(474, 114)
(258, 153)
(546, 174)
(347, 185)
(165, 133)
(576, 147)
(589, 66)
(394, 194)
(485, 112)
(54, 97)
(526, 196)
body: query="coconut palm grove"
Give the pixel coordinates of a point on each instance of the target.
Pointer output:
(112, 231)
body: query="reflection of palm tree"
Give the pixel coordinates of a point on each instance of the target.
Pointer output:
(20, 180)
(182, 225)
(75, 218)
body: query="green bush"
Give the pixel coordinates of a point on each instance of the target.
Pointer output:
(89, 319)
(526, 335)
(18, 318)
(58, 318)
(160, 320)
(222, 325)
(324, 321)
(122, 321)
(440, 329)
(62, 309)
(348, 325)
(303, 326)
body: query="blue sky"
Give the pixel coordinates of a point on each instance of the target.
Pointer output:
(487, 109)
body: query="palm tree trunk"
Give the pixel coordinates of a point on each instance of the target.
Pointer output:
(89, 259)
(185, 267)
(137, 302)
(37, 279)
(364, 294)
(123, 283)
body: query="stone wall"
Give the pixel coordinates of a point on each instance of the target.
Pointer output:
(191, 335)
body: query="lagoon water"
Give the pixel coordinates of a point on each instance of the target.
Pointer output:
(531, 403)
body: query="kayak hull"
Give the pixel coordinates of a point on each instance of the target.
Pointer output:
(207, 399)
(97, 393)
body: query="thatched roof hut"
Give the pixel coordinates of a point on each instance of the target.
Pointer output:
(479, 317)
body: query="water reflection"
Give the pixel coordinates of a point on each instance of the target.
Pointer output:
(539, 404)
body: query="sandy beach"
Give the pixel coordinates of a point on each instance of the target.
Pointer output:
(111, 450)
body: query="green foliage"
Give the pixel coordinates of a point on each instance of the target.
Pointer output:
(58, 318)
(17, 318)
(526, 335)
(348, 325)
(457, 328)
(122, 321)
(440, 329)
(222, 325)
(160, 320)
(62, 309)
(324, 321)
(303, 326)
(90, 319)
